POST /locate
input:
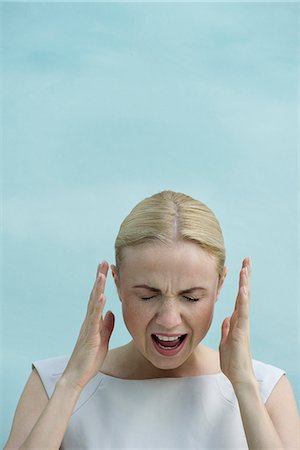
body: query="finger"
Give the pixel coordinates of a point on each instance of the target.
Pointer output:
(100, 304)
(247, 265)
(241, 284)
(233, 319)
(103, 268)
(225, 330)
(107, 327)
(243, 303)
(100, 284)
(243, 309)
(94, 319)
(98, 288)
(244, 280)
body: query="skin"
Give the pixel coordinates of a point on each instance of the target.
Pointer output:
(40, 422)
(267, 426)
(171, 270)
(273, 425)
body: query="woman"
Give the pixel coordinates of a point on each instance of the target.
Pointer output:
(164, 389)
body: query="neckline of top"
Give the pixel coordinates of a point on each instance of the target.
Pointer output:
(196, 377)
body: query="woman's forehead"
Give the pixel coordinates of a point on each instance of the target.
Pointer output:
(185, 259)
(179, 249)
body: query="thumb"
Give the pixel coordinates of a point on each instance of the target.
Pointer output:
(225, 329)
(107, 327)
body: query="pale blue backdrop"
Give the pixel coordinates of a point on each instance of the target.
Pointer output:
(107, 103)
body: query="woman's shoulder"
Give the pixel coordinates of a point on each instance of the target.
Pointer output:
(53, 365)
(267, 376)
(265, 370)
(50, 370)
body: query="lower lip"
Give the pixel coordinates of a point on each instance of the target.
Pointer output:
(172, 351)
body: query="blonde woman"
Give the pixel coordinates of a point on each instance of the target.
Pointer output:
(164, 389)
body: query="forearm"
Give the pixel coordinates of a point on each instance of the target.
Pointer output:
(49, 430)
(259, 429)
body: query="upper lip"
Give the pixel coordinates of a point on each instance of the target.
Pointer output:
(169, 334)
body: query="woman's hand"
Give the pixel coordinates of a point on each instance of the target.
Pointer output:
(234, 348)
(92, 344)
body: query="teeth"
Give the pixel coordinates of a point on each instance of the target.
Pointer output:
(166, 348)
(165, 338)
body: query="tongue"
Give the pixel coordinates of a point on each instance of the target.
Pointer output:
(169, 343)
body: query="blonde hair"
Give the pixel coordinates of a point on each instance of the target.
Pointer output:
(168, 217)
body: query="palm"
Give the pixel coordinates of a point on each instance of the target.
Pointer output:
(235, 355)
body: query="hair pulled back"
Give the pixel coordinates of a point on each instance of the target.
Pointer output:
(168, 217)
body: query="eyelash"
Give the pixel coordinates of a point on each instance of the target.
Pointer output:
(188, 298)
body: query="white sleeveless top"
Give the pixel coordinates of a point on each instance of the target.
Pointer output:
(189, 413)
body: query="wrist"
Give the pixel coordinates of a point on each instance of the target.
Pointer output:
(249, 384)
(65, 383)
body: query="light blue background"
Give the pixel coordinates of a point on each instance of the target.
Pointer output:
(105, 104)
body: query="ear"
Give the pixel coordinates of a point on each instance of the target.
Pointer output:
(221, 282)
(116, 278)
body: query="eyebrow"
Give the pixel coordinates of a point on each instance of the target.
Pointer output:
(185, 291)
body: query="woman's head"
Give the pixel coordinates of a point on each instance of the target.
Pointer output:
(169, 217)
(169, 271)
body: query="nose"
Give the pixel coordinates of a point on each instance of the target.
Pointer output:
(168, 316)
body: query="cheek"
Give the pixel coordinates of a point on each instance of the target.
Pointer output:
(202, 319)
(134, 314)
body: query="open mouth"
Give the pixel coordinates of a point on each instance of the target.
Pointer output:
(169, 345)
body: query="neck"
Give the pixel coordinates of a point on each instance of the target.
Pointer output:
(140, 367)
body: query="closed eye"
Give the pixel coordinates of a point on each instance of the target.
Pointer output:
(188, 298)
(192, 299)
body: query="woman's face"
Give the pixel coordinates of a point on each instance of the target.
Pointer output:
(152, 278)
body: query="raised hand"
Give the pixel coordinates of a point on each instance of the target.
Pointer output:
(92, 344)
(234, 348)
